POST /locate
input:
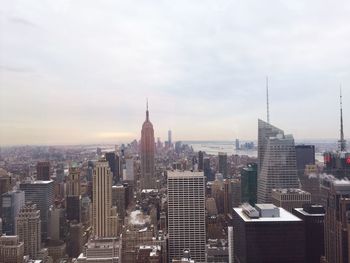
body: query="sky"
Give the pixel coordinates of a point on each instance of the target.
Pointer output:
(79, 71)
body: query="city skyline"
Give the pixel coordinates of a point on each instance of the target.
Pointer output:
(197, 64)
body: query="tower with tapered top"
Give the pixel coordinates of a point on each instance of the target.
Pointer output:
(147, 153)
(342, 141)
(338, 163)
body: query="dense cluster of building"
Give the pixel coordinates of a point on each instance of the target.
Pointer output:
(157, 202)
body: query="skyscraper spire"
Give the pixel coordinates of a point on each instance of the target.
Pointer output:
(147, 113)
(342, 142)
(267, 100)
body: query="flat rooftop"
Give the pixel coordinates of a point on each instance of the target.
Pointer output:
(295, 191)
(285, 216)
(303, 212)
(184, 174)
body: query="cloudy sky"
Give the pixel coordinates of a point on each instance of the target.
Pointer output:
(79, 71)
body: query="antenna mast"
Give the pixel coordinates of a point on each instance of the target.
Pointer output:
(267, 100)
(342, 142)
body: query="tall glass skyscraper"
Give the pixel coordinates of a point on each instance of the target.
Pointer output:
(40, 193)
(277, 159)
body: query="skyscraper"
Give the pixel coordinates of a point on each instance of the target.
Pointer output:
(305, 155)
(4, 185)
(28, 229)
(43, 171)
(207, 170)
(223, 164)
(276, 153)
(186, 215)
(12, 202)
(249, 184)
(265, 131)
(40, 193)
(112, 162)
(147, 154)
(73, 207)
(169, 138)
(11, 249)
(266, 233)
(103, 217)
(290, 198)
(200, 161)
(313, 217)
(73, 181)
(337, 233)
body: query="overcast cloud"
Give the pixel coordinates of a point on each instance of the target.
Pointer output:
(79, 71)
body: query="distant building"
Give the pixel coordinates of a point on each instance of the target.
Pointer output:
(289, 198)
(28, 229)
(57, 223)
(130, 170)
(207, 170)
(230, 244)
(11, 249)
(169, 138)
(73, 208)
(186, 215)
(337, 163)
(12, 202)
(118, 199)
(223, 164)
(237, 144)
(305, 155)
(337, 217)
(313, 217)
(73, 181)
(40, 193)
(101, 250)
(43, 171)
(249, 184)
(267, 233)
(235, 192)
(200, 161)
(278, 165)
(147, 154)
(5, 185)
(75, 242)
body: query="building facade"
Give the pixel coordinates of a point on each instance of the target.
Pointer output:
(313, 218)
(12, 202)
(186, 215)
(266, 233)
(40, 193)
(337, 218)
(290, 198)
(104, 223)
(278, 165)
(249, 184)
(28, 229)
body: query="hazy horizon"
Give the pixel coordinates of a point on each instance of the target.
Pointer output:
(79, 72)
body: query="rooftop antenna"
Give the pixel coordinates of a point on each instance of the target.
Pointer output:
(342, 142)
(267, 100)
(147, 114)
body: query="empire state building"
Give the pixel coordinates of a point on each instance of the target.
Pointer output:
(147, 154)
